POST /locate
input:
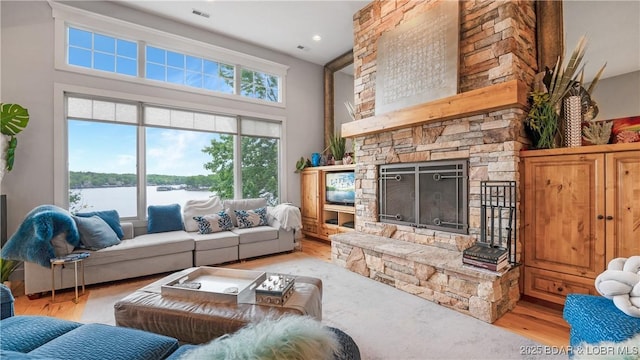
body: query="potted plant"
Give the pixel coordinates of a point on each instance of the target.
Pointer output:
(6, 269)
(543, 123)
(337, 146)
(13, 119)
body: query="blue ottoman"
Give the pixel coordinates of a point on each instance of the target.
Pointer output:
(594, 319)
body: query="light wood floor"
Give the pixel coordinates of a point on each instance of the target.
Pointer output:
(534, 321)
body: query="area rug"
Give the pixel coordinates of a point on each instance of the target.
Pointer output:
(386, 323)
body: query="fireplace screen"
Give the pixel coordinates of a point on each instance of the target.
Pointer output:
(441, 201)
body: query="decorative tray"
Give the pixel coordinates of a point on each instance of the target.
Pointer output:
(215, 284)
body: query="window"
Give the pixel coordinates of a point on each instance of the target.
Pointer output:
(116, 49)
(178, 155)
(260, 149)
(102, 143)
(259, 85)
(101, 52)
(177, 68)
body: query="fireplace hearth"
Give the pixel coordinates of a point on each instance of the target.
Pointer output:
(430, 195)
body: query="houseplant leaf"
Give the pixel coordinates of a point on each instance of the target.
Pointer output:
(13, 119)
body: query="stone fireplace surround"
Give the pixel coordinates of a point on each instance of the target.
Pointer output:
(423, 262)
(483, 123)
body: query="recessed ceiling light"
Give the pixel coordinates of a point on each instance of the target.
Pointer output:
(317, 37)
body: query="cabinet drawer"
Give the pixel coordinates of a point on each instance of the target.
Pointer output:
(554, 286)
(309, 227)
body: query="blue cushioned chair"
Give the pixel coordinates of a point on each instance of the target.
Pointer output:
(594, 319)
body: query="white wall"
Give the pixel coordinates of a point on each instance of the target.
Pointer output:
(29, 76)
(618, 96)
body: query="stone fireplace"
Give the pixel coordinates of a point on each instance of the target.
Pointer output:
(482, 124)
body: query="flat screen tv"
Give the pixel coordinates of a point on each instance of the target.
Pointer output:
(340, 187)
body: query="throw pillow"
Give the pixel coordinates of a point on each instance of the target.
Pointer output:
(95, 233)
(163, 218)
(251, 218)
(290, 337)
(243, 204)
(111, 217)
(208, 224)
(60, 245)
(199, 207)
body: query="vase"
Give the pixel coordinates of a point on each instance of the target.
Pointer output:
(572, 121)
(338, 162)
(315, 159)
(4, 145)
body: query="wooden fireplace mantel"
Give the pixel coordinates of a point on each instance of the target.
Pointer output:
(500, 96)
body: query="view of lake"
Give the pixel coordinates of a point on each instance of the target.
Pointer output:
(123, 199)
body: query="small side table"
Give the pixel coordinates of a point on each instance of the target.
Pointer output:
(75, 259)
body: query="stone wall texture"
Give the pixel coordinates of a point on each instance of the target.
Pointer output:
(497, 44)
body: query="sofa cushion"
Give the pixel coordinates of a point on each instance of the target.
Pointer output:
(100, 341)
(243, 204)
(256, 234)
(199, 207)
(217, 240)
(143, 246)
(25, 333)
(251, 218)
(163, 218)
(212, 223)
(95, 233)
(111, 217)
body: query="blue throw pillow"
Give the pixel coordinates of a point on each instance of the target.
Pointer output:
(251, 218)
(111, 217)
(95, 233)
(208, 224)
(164, 218)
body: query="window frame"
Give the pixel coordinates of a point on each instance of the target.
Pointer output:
(65, 15)
(61, 142)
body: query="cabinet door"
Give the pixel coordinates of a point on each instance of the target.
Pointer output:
(309, 194)
(563, 197)
(623, 204)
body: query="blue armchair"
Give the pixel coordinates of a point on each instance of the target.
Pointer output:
(6, 302)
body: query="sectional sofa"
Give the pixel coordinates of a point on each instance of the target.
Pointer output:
(140, 253)
(42, 337)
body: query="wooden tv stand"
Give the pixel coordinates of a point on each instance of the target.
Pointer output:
(319, 218)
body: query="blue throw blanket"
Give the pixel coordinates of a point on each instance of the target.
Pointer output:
(32, 241)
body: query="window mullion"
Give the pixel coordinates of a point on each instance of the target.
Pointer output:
(141, 165)
(238, 80)
(237, 161)
(142, 58)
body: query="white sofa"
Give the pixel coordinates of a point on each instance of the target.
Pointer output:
(147, 254)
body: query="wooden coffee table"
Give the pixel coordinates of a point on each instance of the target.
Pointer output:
(197, 321)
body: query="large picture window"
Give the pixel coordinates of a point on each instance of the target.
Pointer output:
(177, 154)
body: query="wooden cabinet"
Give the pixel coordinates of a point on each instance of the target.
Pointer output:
(310, 201)
(320, 219)
(581, 209)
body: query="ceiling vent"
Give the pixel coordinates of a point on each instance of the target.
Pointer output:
(200, 13)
